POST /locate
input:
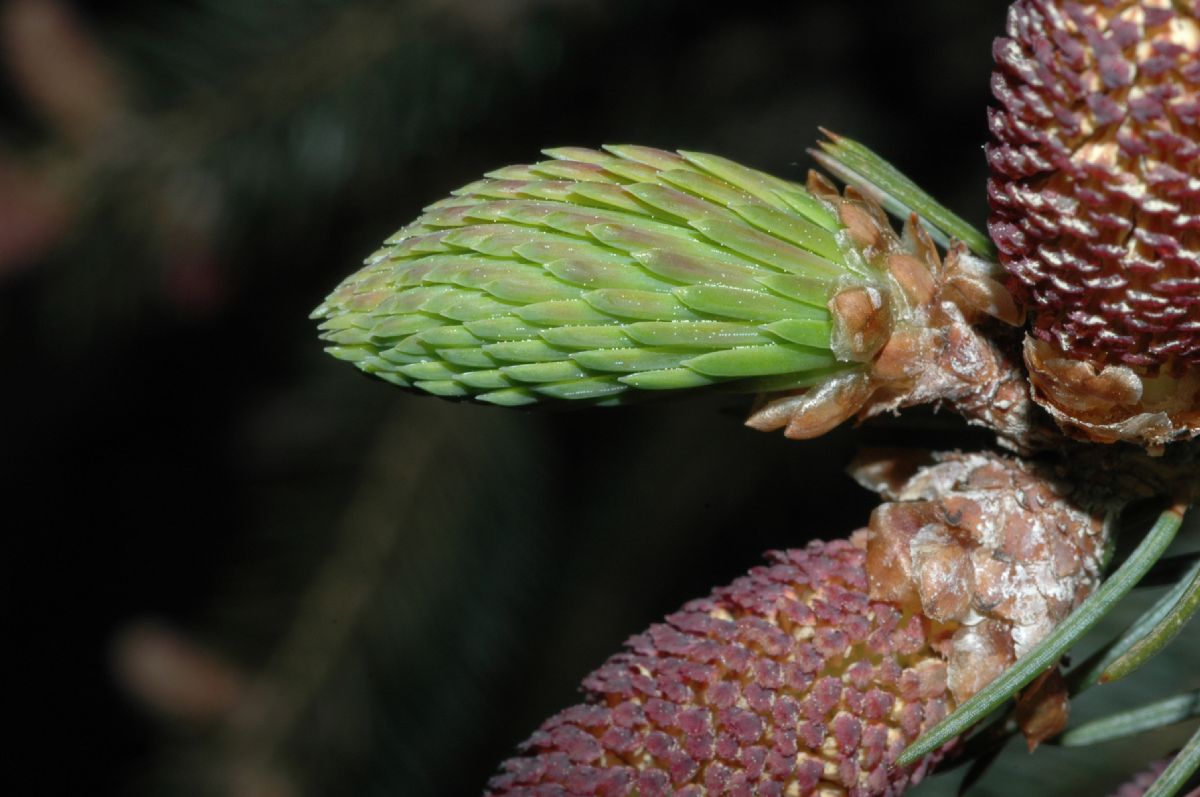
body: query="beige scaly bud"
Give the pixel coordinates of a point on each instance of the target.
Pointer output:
(997, 550)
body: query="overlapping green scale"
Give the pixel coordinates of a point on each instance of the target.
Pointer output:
(601, 276)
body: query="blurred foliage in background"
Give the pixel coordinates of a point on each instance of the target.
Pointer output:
(237, 567)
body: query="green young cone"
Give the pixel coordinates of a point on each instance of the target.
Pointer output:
(603, 276)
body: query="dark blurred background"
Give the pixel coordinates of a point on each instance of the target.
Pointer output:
(237, 567)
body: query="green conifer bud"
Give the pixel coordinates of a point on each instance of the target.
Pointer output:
(606, 275)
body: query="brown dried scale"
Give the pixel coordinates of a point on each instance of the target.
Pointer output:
(1095, 196)
(996, 551)
(930, 336)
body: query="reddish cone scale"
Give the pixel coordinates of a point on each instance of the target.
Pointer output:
(789, 681)
(810, 675)
(1095, 196)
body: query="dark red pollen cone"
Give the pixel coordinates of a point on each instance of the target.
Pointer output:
(1095, 197)
(788, 681)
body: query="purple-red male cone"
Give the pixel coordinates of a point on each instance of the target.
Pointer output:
(788, 680)
(1095, 195)
(811, 674)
